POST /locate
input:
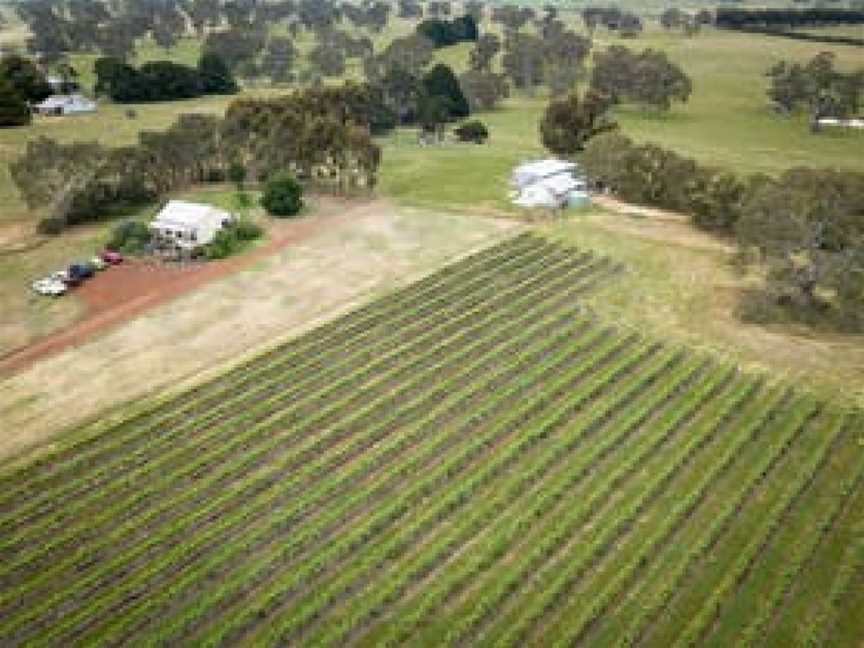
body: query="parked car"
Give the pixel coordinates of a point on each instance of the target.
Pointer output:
(112, 258)
(66, 277)
(81, 271)
(50, 287)
(98, 263)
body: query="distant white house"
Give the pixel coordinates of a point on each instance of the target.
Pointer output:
(186, 226)
(548, 183)
(60, 105)
(843, 123)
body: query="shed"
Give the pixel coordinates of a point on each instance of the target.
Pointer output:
(74, 104)
(186, 226)
(531, 172)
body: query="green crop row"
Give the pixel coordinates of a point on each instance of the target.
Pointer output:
(160, 466)
(711, 609)
(559, 457)
(484, 437)
(167, 504)
(431, 308)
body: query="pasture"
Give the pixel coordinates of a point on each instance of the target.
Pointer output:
(475, 459)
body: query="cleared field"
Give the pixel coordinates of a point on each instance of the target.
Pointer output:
(473, 460)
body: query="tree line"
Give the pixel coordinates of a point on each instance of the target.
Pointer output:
(727, 18)
(320, 135)
(162, 80)
(22, 84)
(804, 230)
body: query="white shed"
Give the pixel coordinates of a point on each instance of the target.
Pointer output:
(186, 226)
(74, 104)
(531, 172)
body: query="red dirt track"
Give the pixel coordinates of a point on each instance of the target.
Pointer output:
(123, 292)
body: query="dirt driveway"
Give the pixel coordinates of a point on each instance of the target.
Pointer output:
(303, 276)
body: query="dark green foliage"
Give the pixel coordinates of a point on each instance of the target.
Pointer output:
(215, 75)
(162, 80)
(569, 123)
(472, 131)
(283, 196)
(232, 238)
(449, 32)
(23, 75)
(14, 110)
(816, 85)
(441, 82)
(129, 237)
(237, 174)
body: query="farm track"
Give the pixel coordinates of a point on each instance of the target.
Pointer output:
(472, 460)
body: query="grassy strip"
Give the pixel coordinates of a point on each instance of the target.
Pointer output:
(797, 555)
(753, 419)
(338, 333)
(456, 499)
(567, 569)
(162, 465)
(547, 430)
(822, 622)
(559, 463)
(301, 539)
(393, 399)
(711, 609)
(436, 308)
(430, 374)
(575, 627)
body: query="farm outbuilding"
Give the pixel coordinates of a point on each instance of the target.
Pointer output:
(549, 183)
(187, 226)
(63, 105)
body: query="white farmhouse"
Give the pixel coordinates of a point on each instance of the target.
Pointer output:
(186, 226)
(61, 105)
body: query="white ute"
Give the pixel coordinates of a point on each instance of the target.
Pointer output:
(49, 287)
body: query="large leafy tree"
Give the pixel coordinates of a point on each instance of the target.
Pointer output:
(569, 123)
(216, 76)
(648, 78)
(27, 79)
(807, 229)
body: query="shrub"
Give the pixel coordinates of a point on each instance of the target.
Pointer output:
(247, 230)
(223, 245)
(237, 174)
(51, 226)
(130, 237)
(473, 131)
(283, 196)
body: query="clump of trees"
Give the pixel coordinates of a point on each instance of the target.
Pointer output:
(625, 23)
(816, 86)
(648, 78)
(569, 123)
(449, 32)
(321, 136)
(162, 80)
(558, 60)
(22, 84)
(803, 232)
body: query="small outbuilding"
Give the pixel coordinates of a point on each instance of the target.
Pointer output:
(531, 172)
(62, 105)
(186, 226)
(549, 183)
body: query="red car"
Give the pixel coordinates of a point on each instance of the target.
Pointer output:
(112, 258)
